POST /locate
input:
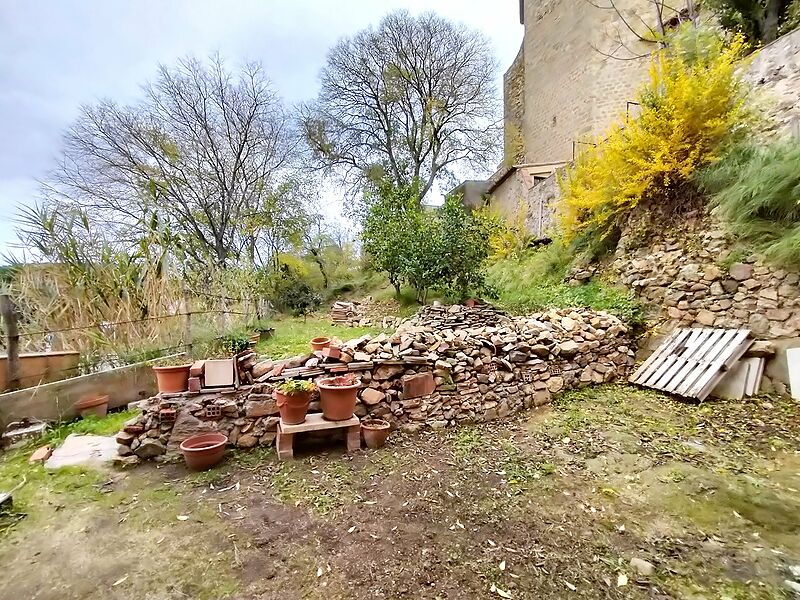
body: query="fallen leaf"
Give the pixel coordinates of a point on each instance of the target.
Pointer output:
(320, 571)
(503, 565)
(119, 581)
(352, 529)
(570, 586)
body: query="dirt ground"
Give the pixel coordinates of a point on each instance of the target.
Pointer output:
(553, 504)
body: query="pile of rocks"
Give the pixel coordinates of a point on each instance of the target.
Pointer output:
(362, 314)
(447, 365)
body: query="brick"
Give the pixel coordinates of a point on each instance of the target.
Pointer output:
(40, 454)
(197, 368)
(331, 352)
(125, 438)
(418, 385)
(194, 384)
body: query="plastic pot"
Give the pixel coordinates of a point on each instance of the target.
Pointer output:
(92, 405)
(337, 401)
(293, 407)
(318, 343)
(204, 450)
(173, 379)
(375, 432)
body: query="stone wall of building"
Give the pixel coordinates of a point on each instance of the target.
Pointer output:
(537, 198)
(573, 92)
(514, 110)
(445, 367)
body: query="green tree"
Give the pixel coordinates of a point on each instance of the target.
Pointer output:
(760, 21)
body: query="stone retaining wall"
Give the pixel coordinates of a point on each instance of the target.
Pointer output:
(447, 366)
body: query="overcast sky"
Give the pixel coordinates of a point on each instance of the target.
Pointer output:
(56, 55)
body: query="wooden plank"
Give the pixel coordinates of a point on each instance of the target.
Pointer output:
(654, 360)
(710, 355)
(727, 357)
(696, 360)
(658, 353)
(316, 422)
(697, 337)
(669, 363)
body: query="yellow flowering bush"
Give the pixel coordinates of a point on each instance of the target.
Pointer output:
(692, 105)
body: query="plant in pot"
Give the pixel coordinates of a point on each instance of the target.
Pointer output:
(375, 432)
(293, 397)
(172, 375)
(204, 450)
(337, 396)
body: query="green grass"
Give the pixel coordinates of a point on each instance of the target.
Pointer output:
(293, 334)
(534, 282)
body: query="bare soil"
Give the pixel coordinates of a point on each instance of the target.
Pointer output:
(553, 504)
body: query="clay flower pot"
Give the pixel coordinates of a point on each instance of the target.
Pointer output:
(92, 405)
(337, 397)
(293, 407)
(375, 432)
(204, 450)
(172, 379)
(318, 343)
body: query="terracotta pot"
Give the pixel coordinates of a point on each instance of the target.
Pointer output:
(172, 379)
(375, 432)
(92, 405)
(293, 407)
(318, 343)
(337, 401)
(204, 450)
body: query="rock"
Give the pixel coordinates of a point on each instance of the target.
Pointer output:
(371, 396)
(740, 271)
(262, 368)
(125, 438)
(642, 567)
(246, 441)
(186, 425)
(555, 384)
(128, 461)
(705, 317)
(517, 357)
(759, 324)
(260, 408)
(385, 372)
(150, 448)
(568, 348)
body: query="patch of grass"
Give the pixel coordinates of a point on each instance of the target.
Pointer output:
(292, 335)
(520, 468)
(323, 489)
(535, 282)
(108, 425)
(468, 440)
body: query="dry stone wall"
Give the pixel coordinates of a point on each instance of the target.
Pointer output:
(446, 366)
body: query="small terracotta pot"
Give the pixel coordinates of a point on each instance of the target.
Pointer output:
(293, 407)
(92, 405)
(375, 432)
(204, 450)
(337, 401)
(172, 379)
(318, 343)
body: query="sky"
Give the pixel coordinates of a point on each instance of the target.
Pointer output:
(57, 55)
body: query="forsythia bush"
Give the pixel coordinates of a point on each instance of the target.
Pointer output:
(692, 104)
(508, 237)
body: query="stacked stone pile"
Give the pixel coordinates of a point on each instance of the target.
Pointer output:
(366, 313)
(447, 365)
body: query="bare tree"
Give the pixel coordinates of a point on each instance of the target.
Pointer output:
(202, 150)
(413, 99)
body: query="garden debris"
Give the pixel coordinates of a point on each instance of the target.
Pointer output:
(18, 433)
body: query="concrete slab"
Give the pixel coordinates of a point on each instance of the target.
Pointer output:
(82, 451)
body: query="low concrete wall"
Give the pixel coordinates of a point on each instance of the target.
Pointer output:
(53, 401)
(36, 368)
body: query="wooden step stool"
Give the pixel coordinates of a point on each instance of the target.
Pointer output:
(315, 422)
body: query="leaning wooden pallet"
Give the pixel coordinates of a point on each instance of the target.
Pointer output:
(691, 361)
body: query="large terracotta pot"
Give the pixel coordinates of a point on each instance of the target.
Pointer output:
(204, 450)
(293, 407)
(92, 405)
(172, 379)
(375, 432)
(337, 401)
(319, 343)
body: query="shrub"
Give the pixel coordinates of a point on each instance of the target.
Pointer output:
(508, 238)
(692, 105)
(292, 293)
(756, 192)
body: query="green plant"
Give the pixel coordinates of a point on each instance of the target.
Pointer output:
(758, 20)
(296, 386)
(756, 191)
(692, 106)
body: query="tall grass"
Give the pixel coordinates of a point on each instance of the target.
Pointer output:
(535, 282)
(755, 190)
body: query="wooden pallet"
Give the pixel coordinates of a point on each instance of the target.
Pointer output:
(691, 361)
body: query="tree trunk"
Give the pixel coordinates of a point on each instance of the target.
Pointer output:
(772, 14)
